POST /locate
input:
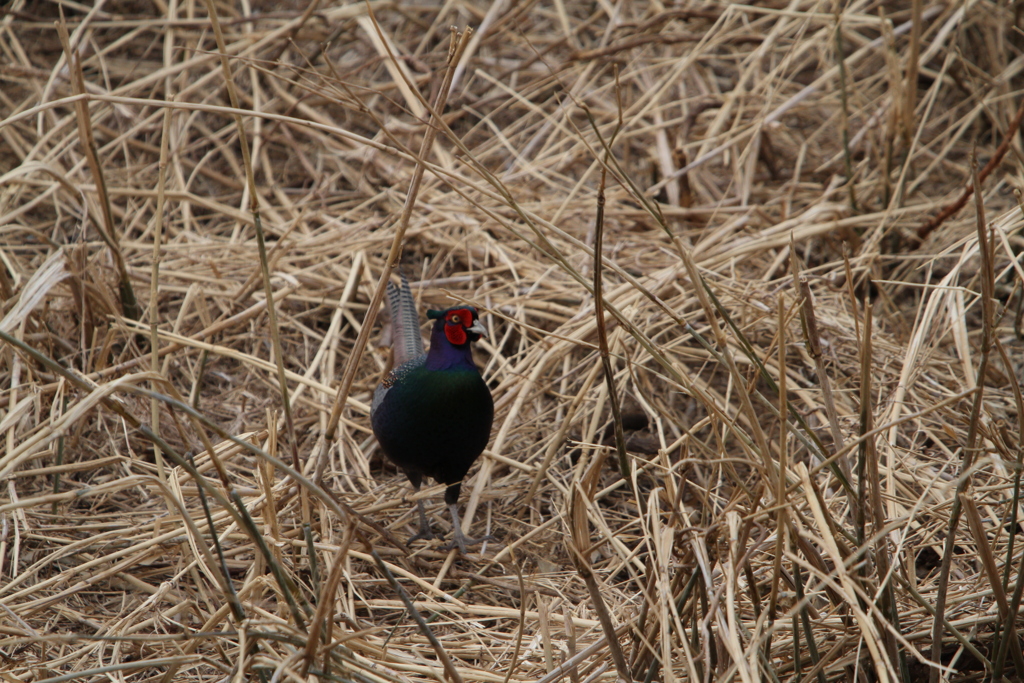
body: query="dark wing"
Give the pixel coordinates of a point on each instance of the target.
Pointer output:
(405, 323)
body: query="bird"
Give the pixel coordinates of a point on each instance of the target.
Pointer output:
(432, 414)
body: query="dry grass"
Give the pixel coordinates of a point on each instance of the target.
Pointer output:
(731, 552)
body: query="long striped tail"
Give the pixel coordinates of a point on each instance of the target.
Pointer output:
(405, 323)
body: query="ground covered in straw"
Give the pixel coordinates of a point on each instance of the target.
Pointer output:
(813, 360)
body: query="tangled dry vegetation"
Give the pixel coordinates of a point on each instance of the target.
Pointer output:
(775, 178)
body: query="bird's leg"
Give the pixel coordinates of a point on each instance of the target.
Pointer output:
(425, 531)
(460, 540)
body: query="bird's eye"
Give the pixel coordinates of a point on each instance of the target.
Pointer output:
(455, 319)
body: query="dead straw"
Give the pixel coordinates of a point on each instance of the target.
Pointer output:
(148, 528)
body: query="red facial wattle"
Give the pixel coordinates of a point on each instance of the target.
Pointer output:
(456, 323)
(456, 334)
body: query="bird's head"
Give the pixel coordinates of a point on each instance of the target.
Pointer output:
(461, 324)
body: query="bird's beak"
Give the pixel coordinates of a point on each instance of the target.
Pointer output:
(478, 328)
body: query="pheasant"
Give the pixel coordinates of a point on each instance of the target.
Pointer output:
(432, 413)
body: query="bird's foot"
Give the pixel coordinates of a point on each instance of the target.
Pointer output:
(425, 533)
(461, 541)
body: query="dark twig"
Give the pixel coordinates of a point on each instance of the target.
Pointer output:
(987, 278)
(602, 332)
(940, 218)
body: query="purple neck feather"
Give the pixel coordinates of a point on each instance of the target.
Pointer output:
(443, 355)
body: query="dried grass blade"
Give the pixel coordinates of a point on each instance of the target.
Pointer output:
(129, 303)
(987, 277)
